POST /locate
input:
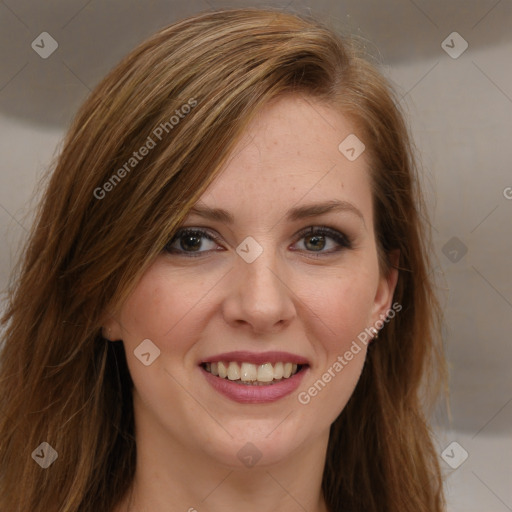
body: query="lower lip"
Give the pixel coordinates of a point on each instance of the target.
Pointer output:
(254, 394)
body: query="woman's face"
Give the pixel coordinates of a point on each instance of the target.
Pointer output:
(285, 273)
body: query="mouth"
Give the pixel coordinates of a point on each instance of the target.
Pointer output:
(251, 378)
(252, 374)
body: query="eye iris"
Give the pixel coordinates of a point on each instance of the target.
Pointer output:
(315, 242)
(194, 246)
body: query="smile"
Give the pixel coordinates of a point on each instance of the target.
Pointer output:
(254, 377)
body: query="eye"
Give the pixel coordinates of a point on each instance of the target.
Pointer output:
(191, 242)
(316, 239)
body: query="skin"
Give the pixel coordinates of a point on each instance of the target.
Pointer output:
(296, 296)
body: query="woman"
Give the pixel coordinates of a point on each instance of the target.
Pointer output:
(234, 218)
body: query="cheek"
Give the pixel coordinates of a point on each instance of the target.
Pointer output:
(340, 310)
(340, 307)
(168, 308)
(163, 307)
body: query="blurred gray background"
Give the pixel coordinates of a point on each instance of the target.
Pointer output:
(460, 112)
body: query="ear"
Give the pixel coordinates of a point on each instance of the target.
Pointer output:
(111, 329)
(385, 290)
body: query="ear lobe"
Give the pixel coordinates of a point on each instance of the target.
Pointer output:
(111, 329)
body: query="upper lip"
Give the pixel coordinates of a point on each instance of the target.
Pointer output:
(241, 356)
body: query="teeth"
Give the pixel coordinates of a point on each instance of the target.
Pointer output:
(233, 371)
(278, 371)
(265, 372)
(251, 373)
(223, 371)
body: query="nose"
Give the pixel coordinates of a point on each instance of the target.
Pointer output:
(258, 296)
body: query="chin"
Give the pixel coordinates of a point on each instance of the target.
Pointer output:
(263, 445)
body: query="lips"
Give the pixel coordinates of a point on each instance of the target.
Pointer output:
(251, 377)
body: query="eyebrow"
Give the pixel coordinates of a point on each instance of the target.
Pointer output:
(294, 214)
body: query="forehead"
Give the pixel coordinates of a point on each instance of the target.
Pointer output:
(289, 154)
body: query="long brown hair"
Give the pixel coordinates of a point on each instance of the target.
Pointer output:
(98, 228)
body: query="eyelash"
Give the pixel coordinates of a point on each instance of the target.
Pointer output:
(343, 241)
